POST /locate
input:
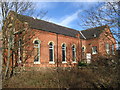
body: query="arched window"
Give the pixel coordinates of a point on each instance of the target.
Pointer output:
(83, 51)
(94, 50)
(51, 52)
(63, 53)
(113, 50)
(74, 53)
(36, 52)
(107, 48)
(19, 51)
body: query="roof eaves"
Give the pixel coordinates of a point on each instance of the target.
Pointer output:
(53, 32)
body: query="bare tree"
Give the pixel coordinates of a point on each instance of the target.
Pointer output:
(102, 14)
(26, 8)
(16, 36)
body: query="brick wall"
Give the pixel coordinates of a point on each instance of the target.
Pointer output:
(106, 37)
(100, 43)
(45, 38)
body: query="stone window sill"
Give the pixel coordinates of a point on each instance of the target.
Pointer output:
(74, 62)
(51, 62)
(64, 62)
(36, 62)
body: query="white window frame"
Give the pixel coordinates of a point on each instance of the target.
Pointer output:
(113, 50)
(94, 50)
(65, 53)
(107, 47)
(51, 62)
(75, 53)
(19, 51)
(83, 50)
(38, 62)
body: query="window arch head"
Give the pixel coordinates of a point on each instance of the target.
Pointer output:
(63, 45)
(73, 46)
(51, 45)
(51, 52)
(83, 48)
(36, 43)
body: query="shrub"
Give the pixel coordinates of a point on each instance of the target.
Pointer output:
(82, 63)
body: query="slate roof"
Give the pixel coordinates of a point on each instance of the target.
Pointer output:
(51, 27)
(47, 26)
(92, 32)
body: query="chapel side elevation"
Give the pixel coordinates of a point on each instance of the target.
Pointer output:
(44, 44)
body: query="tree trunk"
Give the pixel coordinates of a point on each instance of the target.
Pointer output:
(8, 60)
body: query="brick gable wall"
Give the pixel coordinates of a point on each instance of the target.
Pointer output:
(105, 37)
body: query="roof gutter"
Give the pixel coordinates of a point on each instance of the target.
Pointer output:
(82, 35)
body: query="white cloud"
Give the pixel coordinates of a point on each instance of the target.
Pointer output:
(70, 18)
(66, 20)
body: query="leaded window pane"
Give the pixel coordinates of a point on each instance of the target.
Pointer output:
(113, 50)
(51, 51)
(63, 52)
(36, 51)
(108, 48)
(63, 55)
(94, 50)
(51, 54)
(73, 53)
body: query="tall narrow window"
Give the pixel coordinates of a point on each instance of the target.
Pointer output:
(94, 50)
(63, 53)
(83, 49)
(107, 48)
(51, 52)
(19, 51)
(73, 53)
(113, 53)
(83, 52)
(37, 52)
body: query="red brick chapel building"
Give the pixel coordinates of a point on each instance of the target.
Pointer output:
(52, 45)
